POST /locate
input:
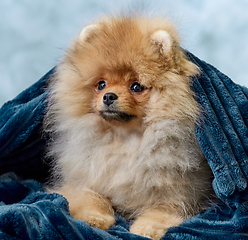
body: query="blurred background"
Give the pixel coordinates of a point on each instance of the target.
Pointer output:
(34, 34)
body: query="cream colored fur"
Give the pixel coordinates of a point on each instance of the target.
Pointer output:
(152, 169)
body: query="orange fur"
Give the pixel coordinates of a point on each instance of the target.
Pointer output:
(138, 153)
(89, 206)
(153, 223)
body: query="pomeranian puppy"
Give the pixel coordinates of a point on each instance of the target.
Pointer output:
(122, 117)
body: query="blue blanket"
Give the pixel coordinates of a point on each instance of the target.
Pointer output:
(27, 212)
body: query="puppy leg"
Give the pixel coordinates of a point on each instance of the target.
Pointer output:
(90, 207)
(154, 222)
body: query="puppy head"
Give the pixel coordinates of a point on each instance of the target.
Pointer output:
(125, 70)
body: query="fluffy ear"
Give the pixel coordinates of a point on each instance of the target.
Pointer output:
(163, 39)
(87, 31)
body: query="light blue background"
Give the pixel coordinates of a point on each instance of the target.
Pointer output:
(33, 34)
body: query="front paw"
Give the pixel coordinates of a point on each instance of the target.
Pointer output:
(96, 219)
(153, 223)
(89, 206)
(94, 210)
(149, 229)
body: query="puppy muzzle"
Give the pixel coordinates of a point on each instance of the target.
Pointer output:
(110, 111)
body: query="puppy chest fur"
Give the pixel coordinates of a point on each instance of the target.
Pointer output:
(162, 165)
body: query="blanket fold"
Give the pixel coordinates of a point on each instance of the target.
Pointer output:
(21, 142)
(27, 212)
(223, 132)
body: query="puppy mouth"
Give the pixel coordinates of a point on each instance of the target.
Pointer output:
(119, 116)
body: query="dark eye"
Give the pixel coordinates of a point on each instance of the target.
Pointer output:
(136, 87)
(101, 85)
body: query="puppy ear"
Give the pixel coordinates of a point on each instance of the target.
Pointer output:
(87, 32)
(163, 40)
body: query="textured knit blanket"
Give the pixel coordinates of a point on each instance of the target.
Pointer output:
(27, 212)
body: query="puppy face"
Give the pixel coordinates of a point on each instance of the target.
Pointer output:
(125, 71)
(120, 99)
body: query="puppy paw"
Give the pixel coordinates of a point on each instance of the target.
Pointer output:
(96, 219)
(89, 206)
(150, 229)
(153, 223)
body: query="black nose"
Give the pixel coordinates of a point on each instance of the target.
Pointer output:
(109, 98)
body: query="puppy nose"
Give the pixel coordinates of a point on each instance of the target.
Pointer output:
(109, 98)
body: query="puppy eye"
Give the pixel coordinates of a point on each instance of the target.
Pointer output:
(101, 85)
(136, 87)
